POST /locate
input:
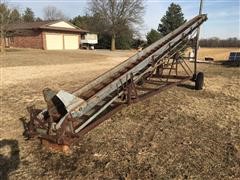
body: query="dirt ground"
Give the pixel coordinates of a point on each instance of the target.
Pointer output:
(178, 134)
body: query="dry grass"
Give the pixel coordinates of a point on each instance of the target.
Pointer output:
(180, 133)
(34, 57)
(21, 65)
(218, 54)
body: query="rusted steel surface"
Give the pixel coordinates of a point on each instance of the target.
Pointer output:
(158, 67)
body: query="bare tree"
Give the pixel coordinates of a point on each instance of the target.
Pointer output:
(117, 14)
(5, 20)
(7, 16)
(52, 13)
(216, 42)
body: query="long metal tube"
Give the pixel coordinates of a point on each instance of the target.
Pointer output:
(109, 88)
(103, 93)
(100, 95)
(197, 41)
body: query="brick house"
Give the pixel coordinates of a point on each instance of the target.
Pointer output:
(48, 35)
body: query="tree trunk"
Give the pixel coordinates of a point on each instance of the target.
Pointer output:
(2, 43)
(113, 47)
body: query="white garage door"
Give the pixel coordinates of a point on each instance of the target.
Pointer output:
(54, 41)
(71, 41)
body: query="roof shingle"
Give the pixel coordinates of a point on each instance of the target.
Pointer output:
(42, 25)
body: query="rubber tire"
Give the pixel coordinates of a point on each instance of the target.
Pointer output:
(199, 81)
(193, 77)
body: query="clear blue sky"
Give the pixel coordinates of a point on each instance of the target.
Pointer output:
(224, 15)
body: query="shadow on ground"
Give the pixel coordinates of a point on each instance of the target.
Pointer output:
(231, 63)
(188, 86)
(9, 157)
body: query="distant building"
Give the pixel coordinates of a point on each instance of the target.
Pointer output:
(89, 40)
(48, 35)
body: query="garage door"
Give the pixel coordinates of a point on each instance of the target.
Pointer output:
(71, 41)
(54, 41)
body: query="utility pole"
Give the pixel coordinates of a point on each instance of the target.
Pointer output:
(197, 41)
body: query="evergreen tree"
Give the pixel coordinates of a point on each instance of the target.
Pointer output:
(138, 43)
(15, 16)
(38, 19)
(95, 24)
(83, 22)
(172, 20)
(153, 36)
(124, 40)
(28, 15)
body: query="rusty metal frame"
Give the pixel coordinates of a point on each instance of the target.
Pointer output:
(154, 68)
(131, 95)
(130, 89)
